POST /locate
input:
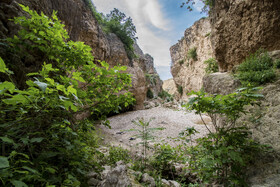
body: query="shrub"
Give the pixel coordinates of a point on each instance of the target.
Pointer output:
(165, 95)
(163, 159)
(257, 69)
(222, 156)
(180, 89)
(43, 143)
(150, 94)
(192, 54)
(181, 62)
(152, 78)
(212, 66)
(116, 154)
(277, 63)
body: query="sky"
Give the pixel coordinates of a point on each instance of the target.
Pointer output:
(159, 25)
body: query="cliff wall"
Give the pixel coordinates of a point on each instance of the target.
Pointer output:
(187, 72)
(240, 27)
(81, 26)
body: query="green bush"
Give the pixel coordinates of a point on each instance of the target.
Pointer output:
(150, 94)
(42, 141)
(151, 78)
(165, 95)
(116, 154)
(222, 156)
(257, 69)
(212, 66)
(192, 54)
(277, 63)
(163, 158)
(180, 89)
(181, 62)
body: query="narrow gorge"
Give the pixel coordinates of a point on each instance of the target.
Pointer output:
(216, 122)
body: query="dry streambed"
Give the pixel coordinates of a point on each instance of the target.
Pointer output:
(174, 121)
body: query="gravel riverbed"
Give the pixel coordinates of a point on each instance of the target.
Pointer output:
(174, 121)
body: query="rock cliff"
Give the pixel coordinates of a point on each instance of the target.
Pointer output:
(169, 86)
(188, 73)
(241, 27)
(81, 26)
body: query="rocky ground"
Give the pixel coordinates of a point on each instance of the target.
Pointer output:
(173, 120)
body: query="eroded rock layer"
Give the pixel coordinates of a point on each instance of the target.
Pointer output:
(241, 27)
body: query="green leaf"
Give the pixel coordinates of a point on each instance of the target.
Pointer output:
(3, 68)
(51, 170)
(38, 140)
(43, 86)
(4, 162)
(7, 86)
(7, 140)
(30, 169)
(17, 183)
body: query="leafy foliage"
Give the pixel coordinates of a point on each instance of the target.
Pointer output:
(257, 69)
(206, 8)
(116, 22)
(150, 94)
(180, 89)
(224, 153)
(277, 63)
(151, 78)
(43, 142)
(192, 54)
(181, 62)
(116, 154)
(166, 96)
(212, 66)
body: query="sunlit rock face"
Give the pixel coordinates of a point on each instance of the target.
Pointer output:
(81, 26)
(187, 72)
(241, 27)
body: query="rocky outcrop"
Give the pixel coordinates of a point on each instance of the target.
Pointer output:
(169, 86)
(241, 27)
(220, 83)
(187, 72)
(81, 26)
(146, 63)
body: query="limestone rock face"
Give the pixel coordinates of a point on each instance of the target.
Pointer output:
(188, 73)
(81, 26)
(241, 27)
(220, 83)
(169, 86)
(146, 63)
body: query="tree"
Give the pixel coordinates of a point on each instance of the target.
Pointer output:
(117, 22)
(206, 8)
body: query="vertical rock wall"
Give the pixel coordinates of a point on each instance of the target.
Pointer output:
(188, 73)
(240, 27)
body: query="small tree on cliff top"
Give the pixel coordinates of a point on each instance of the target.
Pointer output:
(206, 8)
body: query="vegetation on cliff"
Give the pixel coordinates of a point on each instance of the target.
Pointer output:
(116, 22)
(257, 69)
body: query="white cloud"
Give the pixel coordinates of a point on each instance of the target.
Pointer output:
(152, 25)
(198, 5)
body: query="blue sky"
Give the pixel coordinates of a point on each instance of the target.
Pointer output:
(159, 24)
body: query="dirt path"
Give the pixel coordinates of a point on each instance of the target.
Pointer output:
(174, 121)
